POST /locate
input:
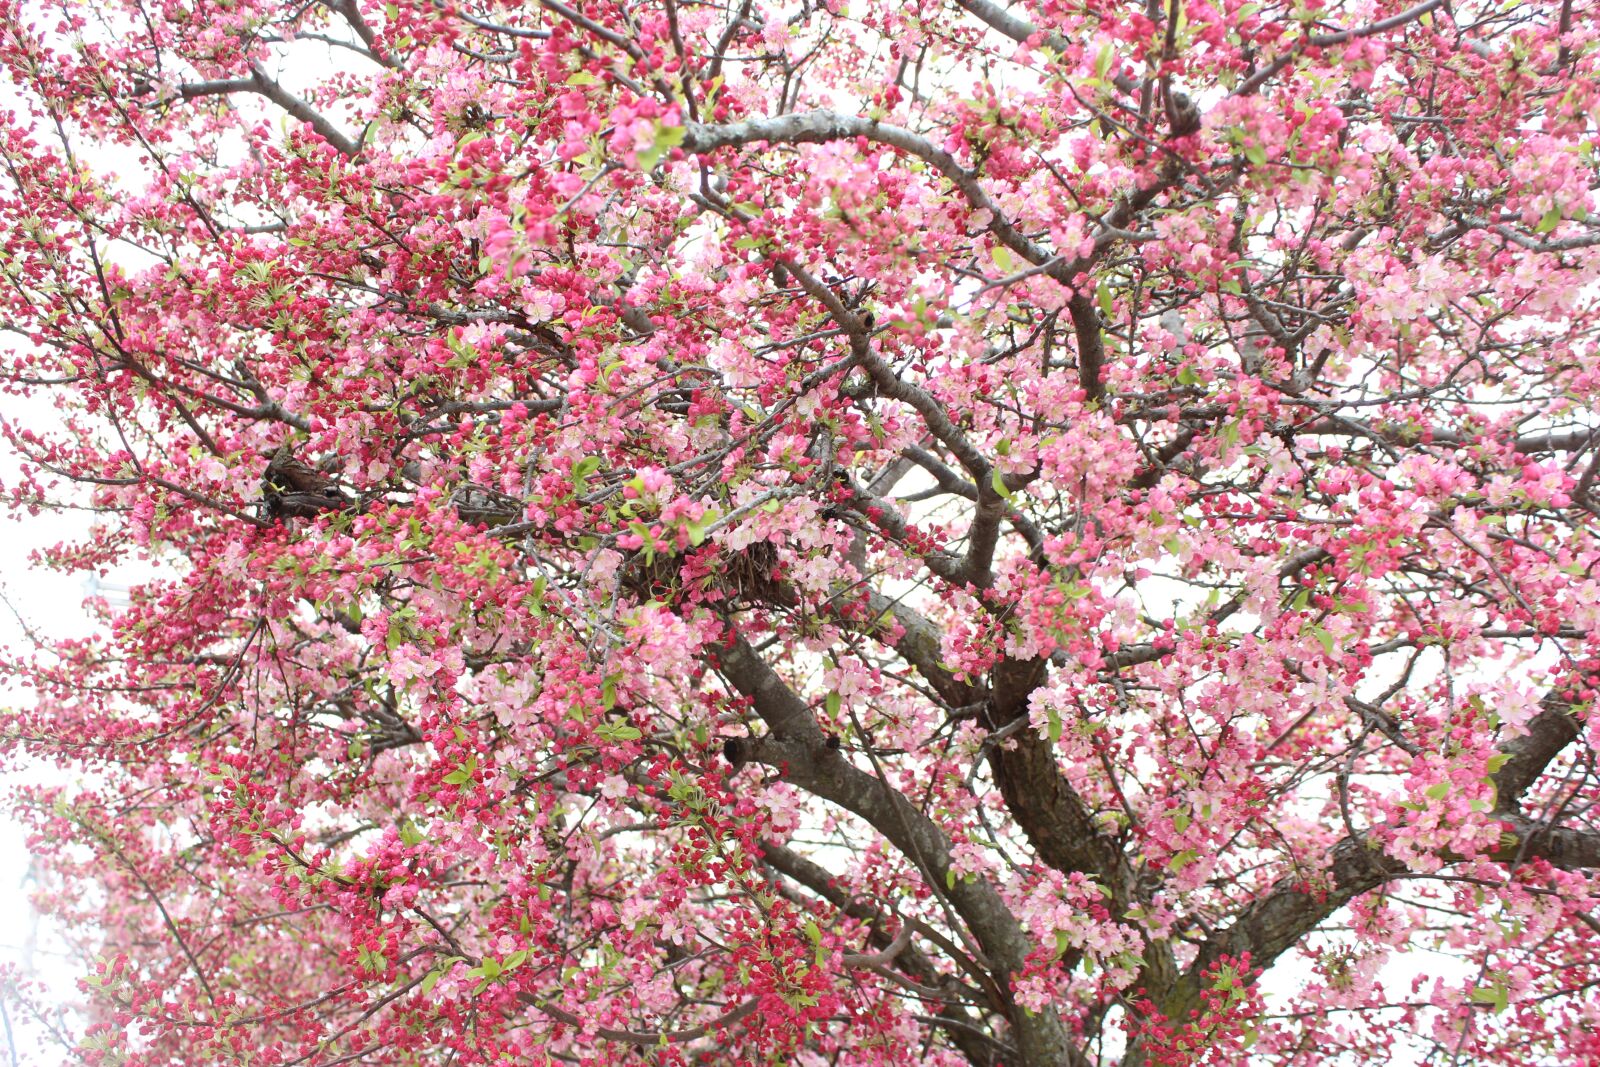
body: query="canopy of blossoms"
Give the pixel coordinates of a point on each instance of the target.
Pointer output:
(727, 532)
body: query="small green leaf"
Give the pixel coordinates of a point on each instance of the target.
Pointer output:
(463, 774)
(1323, 637)
(581, 471)
(1494, 996)
(667, 138)
(615, 731)
(998, 481)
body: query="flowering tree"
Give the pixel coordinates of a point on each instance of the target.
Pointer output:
(710, 532)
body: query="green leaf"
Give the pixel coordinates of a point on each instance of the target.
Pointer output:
(1550, 221)
(998, 481)
(1494, 996)
(1102, 294)
(581, 471)
(1437, 791)
(831, 704)
(463, 774)
(1255, 154)
(667, 138)
(814, 932)
(1323, 637)
(615, 731)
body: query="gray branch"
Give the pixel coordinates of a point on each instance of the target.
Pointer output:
(258, 82)
(795, 744)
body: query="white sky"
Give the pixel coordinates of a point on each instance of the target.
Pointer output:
(51, 604)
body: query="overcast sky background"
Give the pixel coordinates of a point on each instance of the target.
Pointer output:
(52, 606)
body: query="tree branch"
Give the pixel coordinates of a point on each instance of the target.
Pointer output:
(795, 744)
(645, 1038)
(261, 84)
(1298, 902)
(1550, 731)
